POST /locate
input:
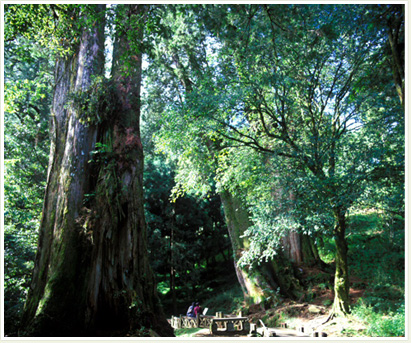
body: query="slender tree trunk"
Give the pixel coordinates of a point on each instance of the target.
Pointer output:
(397, 63)
(341, 284)
(92, 275)
(172, 269)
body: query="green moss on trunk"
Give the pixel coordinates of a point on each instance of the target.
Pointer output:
(263, 281)
(92, 275)
(341, 284)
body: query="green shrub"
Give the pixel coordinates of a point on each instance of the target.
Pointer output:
(379, 324)
(327, 250)
(273, 321)
(327, 302)
(228, 301)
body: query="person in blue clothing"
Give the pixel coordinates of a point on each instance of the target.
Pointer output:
(190, 311)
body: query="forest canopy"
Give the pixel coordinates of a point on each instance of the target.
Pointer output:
(247, 156)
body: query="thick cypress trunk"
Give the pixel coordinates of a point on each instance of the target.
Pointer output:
(292, 247)
(92, 275)
(341, 284)
(310, 252)
(300, 249)
(267, 277)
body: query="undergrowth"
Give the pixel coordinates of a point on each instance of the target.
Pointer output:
(376, 255)
(376, 261)
(391, 324)
(228, 301)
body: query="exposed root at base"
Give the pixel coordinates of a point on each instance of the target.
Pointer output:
(330, 317)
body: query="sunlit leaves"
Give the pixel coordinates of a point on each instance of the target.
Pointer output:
(54, 26)
(28, 91)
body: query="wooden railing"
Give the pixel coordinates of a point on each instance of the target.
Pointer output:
(218, 324)
(228, 326)
(201, 321)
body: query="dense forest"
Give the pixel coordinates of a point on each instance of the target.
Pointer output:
(248, 157)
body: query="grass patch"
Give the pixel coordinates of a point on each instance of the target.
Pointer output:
(376, 255)
(391, 324)
(186, 332)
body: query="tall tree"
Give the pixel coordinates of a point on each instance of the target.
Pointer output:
(92, 274)
(298, 91)
(187, 66)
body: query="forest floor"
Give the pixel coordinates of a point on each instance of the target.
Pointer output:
(311, 316)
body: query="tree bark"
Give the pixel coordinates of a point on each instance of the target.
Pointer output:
(92, 275)
(341, 304)
(172, 269)
(256, 283)
(292, 247)
(396, 42)
(310, 252)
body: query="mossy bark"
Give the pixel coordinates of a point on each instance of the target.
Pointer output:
(309, 250)
(92, 275)
(341, 304)
(262, 281)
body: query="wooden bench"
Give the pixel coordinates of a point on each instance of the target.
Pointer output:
(231, 325)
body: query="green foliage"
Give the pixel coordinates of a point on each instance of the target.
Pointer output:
(326, 249)
(187, 235)
(55, 27)
(228, 301)
(296, 83)
(376, 253)
(95, 105)
(327, 302)
(282, 96)
(19, 250)
(103, 154)
(391, 324)
(274, 321)
(28, 88)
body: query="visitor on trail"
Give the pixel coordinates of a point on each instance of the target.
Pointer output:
(197, 309)
(190, 311)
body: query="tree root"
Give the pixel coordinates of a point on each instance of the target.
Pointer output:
(330, 317)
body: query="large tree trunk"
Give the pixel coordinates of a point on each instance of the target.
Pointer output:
(300, 249)
(341, 304)
(267, 277)
(92, 275)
